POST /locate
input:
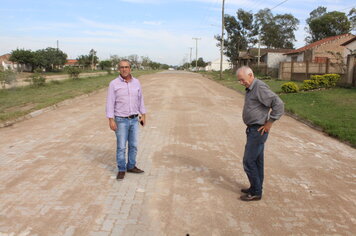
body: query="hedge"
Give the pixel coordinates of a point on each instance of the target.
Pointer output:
(290, 87)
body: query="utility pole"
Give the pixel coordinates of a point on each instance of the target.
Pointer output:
(190, 57)
(196, 53)
(259, 51)
(222, 38)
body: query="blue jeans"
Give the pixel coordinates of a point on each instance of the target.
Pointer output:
(126, 132)
(253, 158)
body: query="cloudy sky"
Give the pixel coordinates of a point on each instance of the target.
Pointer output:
(160, 29)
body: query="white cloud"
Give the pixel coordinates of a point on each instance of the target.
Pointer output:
(152, 22)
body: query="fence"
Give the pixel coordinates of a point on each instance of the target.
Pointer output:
(303, 70)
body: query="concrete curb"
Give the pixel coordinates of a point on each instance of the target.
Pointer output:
(50, 108)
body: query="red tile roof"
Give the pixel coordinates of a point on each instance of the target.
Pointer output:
(71, 62)
(5, 58)
(317, 43)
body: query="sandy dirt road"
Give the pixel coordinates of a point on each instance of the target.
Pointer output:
(58, 171)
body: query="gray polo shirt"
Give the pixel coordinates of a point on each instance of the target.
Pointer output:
(259, 100)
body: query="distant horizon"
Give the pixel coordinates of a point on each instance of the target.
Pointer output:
(161, 30)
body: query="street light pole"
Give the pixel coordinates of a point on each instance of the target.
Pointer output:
(222, 38)
(196, 53)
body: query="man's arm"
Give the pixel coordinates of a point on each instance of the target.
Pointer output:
(110, 106)
(270, 99)
(142, 108)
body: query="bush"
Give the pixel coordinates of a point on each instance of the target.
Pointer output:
(309, 84)
(332, 79)
(73, 72)
(321, 81)
(290, 87)
(7, 77)
(38, 79)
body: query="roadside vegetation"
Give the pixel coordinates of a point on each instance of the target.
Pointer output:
(333, 109)
(17, 102)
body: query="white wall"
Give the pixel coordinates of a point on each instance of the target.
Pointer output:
(299, 58)
(351, 46)
(273, 59)
(215, 65)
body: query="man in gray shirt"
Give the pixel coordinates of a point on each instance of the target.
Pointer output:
(259, 101)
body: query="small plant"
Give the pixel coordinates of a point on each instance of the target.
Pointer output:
(38, 79)
(73, 72)
(309, 84)
(290, 87)
(7, 77)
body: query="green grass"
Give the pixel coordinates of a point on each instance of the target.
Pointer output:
(63, 72)
(333, 110)
(20, 101)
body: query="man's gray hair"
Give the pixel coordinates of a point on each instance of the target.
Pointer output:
(125, 60)
(247, 70)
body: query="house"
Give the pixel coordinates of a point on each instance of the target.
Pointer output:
(6, 64)
(272, 57)
(350, 60)
(269, 59)
(269, 56)
(320, 51)
(71, 62)
(215, 65)
(349, 47)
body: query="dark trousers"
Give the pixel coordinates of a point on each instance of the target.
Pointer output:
(253, 158)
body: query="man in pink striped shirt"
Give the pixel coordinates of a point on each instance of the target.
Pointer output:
(125, 108)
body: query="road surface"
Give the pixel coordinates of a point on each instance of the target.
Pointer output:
(58, 171)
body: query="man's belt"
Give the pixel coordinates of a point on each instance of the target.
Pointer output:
(129, 117)
(254, 125)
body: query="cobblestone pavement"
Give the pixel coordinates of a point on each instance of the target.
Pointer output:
(58, 171)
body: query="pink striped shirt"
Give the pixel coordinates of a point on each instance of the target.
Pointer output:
(124, 98)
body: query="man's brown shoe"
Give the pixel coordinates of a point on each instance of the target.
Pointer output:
(135, 170)
(120, 175)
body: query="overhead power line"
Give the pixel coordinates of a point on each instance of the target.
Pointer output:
(278, 4)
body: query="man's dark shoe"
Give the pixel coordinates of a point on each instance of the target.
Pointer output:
(249, 197)
(120, 175)
(135, 170)
(246, 190)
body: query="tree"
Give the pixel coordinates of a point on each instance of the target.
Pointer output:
(84, 61)
(49, 58)
(186, 65)
(22, 56)
(134, 61)
(323, 24)
(89, 60)
(115, 59)
(276, 31)
(145, 61)
(105, 65)
(200, 62)
(352, 18)
(154, 65)
(93, 58)
(240, 33)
